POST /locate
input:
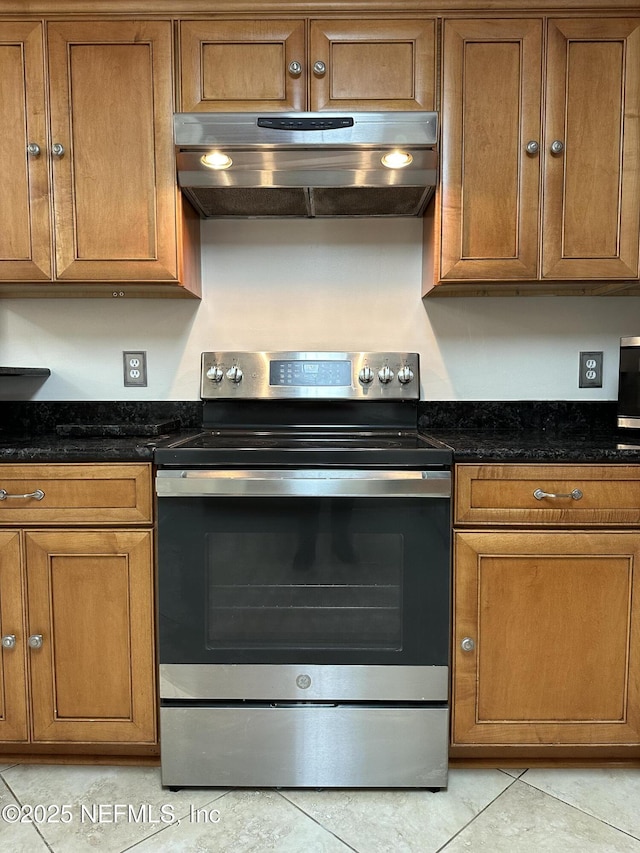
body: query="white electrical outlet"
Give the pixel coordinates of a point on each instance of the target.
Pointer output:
(135, 369)
(590, 375)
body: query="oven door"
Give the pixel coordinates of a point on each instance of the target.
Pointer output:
(341, 568)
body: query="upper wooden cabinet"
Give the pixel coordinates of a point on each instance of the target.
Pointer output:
(241, 65)
(25, 239)
(527, 196)
(323, 64)
(591, 215)
(101, 169)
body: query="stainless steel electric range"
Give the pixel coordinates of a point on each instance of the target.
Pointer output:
(304, 578)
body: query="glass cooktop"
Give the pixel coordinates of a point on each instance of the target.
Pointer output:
(292, 439)
(296, 447)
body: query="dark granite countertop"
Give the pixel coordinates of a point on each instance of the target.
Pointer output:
(522, 446)
(56, 448)
(523, 432)
(31, 431)
(557, 431)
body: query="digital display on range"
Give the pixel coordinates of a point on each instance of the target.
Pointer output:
(318, 373)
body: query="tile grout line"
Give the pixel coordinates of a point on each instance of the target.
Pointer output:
(476, 816)
(168, 826)
(582, 811)
(316, 821)
(17, 798)
(124, 849)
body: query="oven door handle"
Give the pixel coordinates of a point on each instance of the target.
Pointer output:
(303, 483)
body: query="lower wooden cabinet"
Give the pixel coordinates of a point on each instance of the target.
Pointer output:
(77, 660)
(13, 669)
(77, 628)
(547, 638)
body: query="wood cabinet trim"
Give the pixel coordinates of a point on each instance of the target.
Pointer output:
(189, 8)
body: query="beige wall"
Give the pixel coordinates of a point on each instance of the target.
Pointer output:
(330, 284)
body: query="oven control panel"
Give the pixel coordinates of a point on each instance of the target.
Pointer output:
(310, 375)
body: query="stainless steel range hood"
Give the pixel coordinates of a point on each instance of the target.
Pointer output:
(306, 164)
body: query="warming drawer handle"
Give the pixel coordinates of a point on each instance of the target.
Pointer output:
(576, 494)
(38, 495)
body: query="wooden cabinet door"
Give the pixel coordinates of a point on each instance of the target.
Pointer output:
(90, 599)
(114, 182)
(25, 240)
(555, 622)
(491, 103)
(592, 186)
(13, 693)
(228, 66)
(372, 65)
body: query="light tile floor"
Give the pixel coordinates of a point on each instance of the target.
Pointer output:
(69, 809)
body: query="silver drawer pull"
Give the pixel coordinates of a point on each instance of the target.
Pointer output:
(35, 641)
(9, 641)
(38, 495)
(576, 494)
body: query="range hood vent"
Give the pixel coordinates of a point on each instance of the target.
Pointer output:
(307, 164)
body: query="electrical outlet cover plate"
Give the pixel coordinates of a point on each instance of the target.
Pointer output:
(590, 375)
(135, 369)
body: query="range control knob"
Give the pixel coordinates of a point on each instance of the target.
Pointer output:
(385, 374)
(234, 374)
(405, 374)
(366, 375)
(214, 373)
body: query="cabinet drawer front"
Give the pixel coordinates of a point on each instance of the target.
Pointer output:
(75, 494)
(567, 495)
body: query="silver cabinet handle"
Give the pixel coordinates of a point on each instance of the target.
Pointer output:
(33, 149)
(295, 67)
(319, 67)
(532, 147)
(57, 149)
(576, 494)
(35, 641)
(38, 495)
(467, 644)
(9, 641)
(557, 147)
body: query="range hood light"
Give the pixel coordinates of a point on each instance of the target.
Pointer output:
(396, 159)
(306, 164)
(216, 160)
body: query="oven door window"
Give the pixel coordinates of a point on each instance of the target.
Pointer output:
(316, 580)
